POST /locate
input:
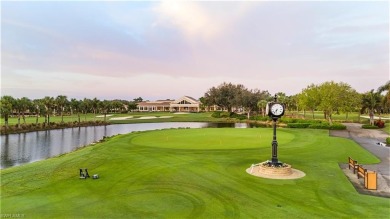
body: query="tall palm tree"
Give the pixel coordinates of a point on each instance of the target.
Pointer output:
(17, 106)
(95, 105)
(105, 106)
(6, 108)
(262, 105)
(61, 102)
(371, 102)
(86, 106)
(25, 104)
(49, 104)
(37, 107)
(76, 107)
(386, 98)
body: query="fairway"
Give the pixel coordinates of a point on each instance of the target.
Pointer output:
(189, 173)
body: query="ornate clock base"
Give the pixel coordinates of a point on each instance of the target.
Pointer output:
(264, 170)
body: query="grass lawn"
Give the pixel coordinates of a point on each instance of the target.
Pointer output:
(181, 173)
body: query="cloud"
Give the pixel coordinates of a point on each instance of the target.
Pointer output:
(205, 20)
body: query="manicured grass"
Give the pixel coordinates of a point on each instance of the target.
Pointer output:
(193, 173)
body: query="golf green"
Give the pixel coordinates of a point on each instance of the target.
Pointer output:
(189, 173)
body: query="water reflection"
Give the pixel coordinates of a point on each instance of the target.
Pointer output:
(23, 148)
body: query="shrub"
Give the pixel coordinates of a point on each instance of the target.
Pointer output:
(216, 114)
(288, 120)
(261, 118)
(337, 126)
(295, 120)
(388, 140)
(238, 116)
(368, 126)
(298, 125)
(320, 126)
(379, 123)
(225, 115)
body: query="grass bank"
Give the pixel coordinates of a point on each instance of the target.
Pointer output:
(193, 173)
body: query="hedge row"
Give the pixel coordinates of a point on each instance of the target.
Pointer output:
(334, 126)
(11, 129)
(221, 114)
(368, 126)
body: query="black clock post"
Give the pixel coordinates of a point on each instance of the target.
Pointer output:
(274, 160)
(275, 169)
(276, 110)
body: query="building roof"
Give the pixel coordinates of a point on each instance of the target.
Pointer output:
(188, 99)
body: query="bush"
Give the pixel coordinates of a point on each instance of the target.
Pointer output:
(388, 140)
(216, 114)
(294, 120)
(261, 118)
(298, 125)
(320, 126)
(379, 123)
(368, 126)
(338, 126)
(238, 116)
(288, 120)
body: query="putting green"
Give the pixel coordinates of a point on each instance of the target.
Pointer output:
(191, 175)
(211, 138)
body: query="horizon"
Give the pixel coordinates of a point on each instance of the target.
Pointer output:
(160, 50)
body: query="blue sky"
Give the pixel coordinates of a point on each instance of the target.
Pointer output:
(168, 49)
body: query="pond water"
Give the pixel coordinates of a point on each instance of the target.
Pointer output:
(17, 149)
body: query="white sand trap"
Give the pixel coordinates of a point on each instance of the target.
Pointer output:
(122, 118)
(165, 117)
(181, 113)
(147, 117)
(102, 116)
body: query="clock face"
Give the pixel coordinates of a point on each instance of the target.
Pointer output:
(277, 109)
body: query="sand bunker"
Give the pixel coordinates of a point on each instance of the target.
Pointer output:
(121, 118)
(102, 116)
(148, 117)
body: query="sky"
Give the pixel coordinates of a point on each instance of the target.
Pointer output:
(168, 49)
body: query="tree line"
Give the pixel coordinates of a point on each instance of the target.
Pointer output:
(61, 105)
(328, 97)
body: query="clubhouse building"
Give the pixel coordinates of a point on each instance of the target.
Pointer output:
(183, 104)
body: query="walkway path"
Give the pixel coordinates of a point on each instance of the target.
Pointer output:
(368, 139)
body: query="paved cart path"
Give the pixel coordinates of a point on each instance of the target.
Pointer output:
(369, 139)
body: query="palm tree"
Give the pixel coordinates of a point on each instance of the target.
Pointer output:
(49, 104)
(95, 105)
(25, 104)
(386, 98)
(76, 107)
(262, 105)
(6, 108)
(105, 107)
(371, 102)
(86, 106)
(17, 106)
(37, 107)
(61, 102)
